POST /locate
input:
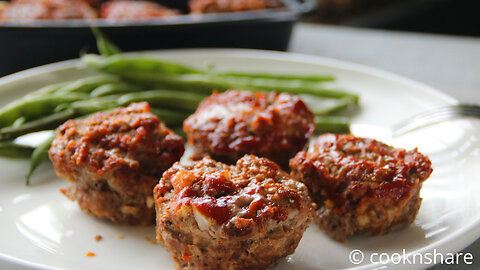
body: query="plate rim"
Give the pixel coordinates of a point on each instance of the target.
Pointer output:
(467, 234)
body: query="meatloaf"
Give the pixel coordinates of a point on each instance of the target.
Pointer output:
(246, 216)
(113, 160)
(228, 125)
(361, 185)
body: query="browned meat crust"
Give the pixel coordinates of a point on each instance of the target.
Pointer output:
(229, 125)
(214, 216)
(134, 10)
(30, 10)
(113, 160)
(216, 6)
(361, 185)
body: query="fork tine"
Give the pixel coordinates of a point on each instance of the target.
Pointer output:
(434, 116)
(459, 109)
(452, 111)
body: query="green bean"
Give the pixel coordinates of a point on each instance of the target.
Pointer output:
(114, 88)
(325, 106)
(88, 106)
(120, 63)
(81, 85)
(48, 99)
(297, 77)
(199, 83)
(20, 121)
(205, 83)
(169, 117)
(295, 87)
(179, 131)
(50, 121)
(13, 150)
(34, 108)
(152, 71)
(39, 155)
(86, 85)
(62, 107)
(105, 46)
(164, 99)
(46, 90)
(334, 124)
(292, 87)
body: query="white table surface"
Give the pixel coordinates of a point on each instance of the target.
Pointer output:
(449, 63)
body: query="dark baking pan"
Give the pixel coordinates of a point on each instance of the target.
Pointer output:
(27, 45)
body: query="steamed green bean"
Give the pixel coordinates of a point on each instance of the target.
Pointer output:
(299, 77)
(334, 124)
(164, 98)
(120, 63)
(114, 88)
(39, 155)
(47, 122)
(169, 117)
(13, 150)
(206, 82)
(35, 108)
(105, 46)
(86, 85)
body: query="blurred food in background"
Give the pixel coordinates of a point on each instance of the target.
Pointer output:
(31, 10)
(3, 5)
(215, 6)
(142, 10)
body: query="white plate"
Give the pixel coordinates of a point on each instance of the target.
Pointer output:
(40, 228)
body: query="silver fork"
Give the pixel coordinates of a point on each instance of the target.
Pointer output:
(434, 116)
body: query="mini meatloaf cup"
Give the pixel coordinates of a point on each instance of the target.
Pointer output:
(361, 185)
(114, 160)
(226, 126)
(214, 216)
